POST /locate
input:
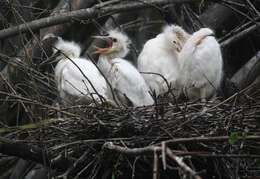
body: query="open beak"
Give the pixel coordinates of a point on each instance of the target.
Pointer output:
(109, 44)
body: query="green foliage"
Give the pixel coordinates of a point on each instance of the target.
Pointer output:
(236, 136)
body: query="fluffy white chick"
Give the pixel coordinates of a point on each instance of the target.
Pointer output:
(126, 81)
(201, 65)
(77, 78)
(160, 56)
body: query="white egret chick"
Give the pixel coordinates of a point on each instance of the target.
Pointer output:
(160, 55)
(201, 65)
(126, 81)
(77, 78)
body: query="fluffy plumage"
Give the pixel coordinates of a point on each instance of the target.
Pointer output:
(72, 74)
(201, 65)
(159, 55)
(125, 79)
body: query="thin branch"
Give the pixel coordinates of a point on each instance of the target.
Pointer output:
(239, 35)
(155, 165)
(150, 149)
(209, 139)
(247, 73)
(27, 152)
(180, 162)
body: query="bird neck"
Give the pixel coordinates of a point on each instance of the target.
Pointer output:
(105, 64)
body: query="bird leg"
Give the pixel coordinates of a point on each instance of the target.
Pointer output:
(203, 100)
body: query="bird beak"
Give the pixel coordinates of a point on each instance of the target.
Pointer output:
(109, 43)
(101, 50)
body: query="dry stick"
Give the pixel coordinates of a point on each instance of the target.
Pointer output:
(155, 165)
(180, 162)
(131, 151)
(150, 149)
(12, 148)
(25, 100)
(209, 139)
(239, 35)
(89, 13)
(33, 153)
(253, 7)
(168, 86)
(247, 73)
(164, 155)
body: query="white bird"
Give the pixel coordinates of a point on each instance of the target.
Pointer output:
(201, 65)
(77, 78)
(160, 56)
(126, 81)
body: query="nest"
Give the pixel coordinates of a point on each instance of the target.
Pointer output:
(170, 139)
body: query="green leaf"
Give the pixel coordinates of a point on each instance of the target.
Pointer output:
(234, 137)
(113, 176)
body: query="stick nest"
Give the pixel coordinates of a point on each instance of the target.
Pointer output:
(79, 136)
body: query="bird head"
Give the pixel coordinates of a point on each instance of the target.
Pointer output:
(67, 48)
(203, 32)
(175, 36)
(117, 44)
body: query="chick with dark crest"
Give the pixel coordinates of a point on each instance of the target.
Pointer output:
(126, 81)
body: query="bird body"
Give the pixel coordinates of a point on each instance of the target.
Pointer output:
(126, 81)
(159, 55)
(77, 78)
(201, 65)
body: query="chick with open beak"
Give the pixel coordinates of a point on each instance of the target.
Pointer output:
(127, 83)
(116, 45)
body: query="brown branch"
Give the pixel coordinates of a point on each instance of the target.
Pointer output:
(180, 162)
(152, 148)
(208, 139)
(239, 35)
(89, 13)
(27, 152)
(248, 73)
(132, 151)
(33, 153)
(155, 165)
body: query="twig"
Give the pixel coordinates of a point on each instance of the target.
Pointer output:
(209, 139)
(247, 73)
(131, 151)
(180, 162)
(12, 148)
(150, 149)
(164, 155)
(155, 165)
(239, 35)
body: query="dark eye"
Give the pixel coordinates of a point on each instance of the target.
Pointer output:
(174, 42)
(114, 40)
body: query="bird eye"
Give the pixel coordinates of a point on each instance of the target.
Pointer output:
(114, 40)
(174, 42)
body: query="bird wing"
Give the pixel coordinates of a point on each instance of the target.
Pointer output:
(127, 80)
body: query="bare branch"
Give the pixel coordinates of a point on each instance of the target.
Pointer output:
(180, 162)
(248, 73)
